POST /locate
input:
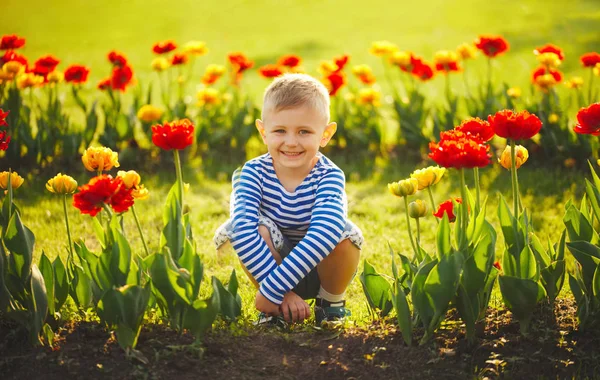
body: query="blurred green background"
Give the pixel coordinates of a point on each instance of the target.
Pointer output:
(85, 31)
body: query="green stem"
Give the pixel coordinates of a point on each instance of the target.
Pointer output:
(591, 86)
(515, 183)
(179, 175)
(386, 73)
(465, 79)
(418, 233)
(477, 191)
(137, 222)
(410, 237)
(464, 206)
(68, 229)
(432, 202)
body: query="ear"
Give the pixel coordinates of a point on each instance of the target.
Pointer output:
(328, 134)
(261, 129)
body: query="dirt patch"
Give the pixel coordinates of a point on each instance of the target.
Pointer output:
(554, 349)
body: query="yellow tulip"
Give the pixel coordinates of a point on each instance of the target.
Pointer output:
(428, 176)
(148, 113)
(327, 67)
(550, 60)
(401, 58)
(130, 178)
(445, 57)
(195, 48)
(553, 118)
(417, 209)
(15, 180)
(514, 92)
(405, 187)
(160, 64)
(466, 51)
(140, 192)
(546, 81)
(214, 70)
(100, 159)
(56, 77)
(13, 67)
(575, 82)
(6, 76)
(382, 48)
(369, 96)
(362, 70)
(61, 184)
(521, 154)
(28, 80)
(208, 96)
(597, 70)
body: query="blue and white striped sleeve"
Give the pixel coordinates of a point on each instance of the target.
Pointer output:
(247, 242)
(327, 223)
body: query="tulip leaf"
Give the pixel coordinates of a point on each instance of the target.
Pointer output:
(475, 227)
(521, 295)
(81, 288)
(444, 245)
(48, 275)
(578, 227)
(596, 283)
(594, 197)
(421, 302)
(468, 309)
(231, 303)
(541, 256)
(5, 295)
(19, 240)
(582, 300)
(478, 265)
(88, 260)
(38, 304)
(441, 285)
(511, 229)
(402, 313)
(394, 267)
(202, 314)
(99, 231)
(377, 289)
(120, 258)
(61, 283)
(588, 255)
(173, 232)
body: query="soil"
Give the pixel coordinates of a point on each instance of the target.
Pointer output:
(553, 349)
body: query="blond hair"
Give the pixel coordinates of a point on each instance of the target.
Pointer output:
(296, 90)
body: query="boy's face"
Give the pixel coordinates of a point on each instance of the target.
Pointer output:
(293, 136)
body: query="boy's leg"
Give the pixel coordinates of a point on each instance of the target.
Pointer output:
(264, 232)
(338, 268)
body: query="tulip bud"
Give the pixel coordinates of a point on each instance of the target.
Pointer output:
(55, 77)
(417, 209)
(15, 180)
(521, 157)
(130, 178)
(405, 187)
(428, 176)
(61, 184)
(99, 159)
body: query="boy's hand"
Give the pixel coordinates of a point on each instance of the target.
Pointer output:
(294, 308)
(266, 306)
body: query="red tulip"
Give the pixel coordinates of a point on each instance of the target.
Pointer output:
(516, 126)
(175, 135)
(491, 46)
(477, 128)
(290, 60)
(76, 74)
(590, 59)
(270, 71)
(588, 120)
(11, 42)
(549, 48)
(458, 150)
(447, 207)
(101, 190)
(164, 47)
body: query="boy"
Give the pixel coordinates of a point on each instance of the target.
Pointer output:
(288, 221)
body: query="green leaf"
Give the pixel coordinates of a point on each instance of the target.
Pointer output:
(521, 296)
(99, 231)
(422, 303)
(394, 268)
(477, 267)
(48, 275)
(594, 176)
(441, 285)
(81, 288)
(511, 229)
(173, 233)
(403, 313)
(19, 240)
(377, 289)
(582, 300)
(594, 196)
(588, 255)
(231, 303)
(61, 283)
(476, 225)
(38, 304)
(540, 253)
(120, 258)
(578, 227)
(596, 284)
(200, 317)
(444, 246)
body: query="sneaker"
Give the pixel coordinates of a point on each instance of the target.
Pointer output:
(270, 321)
(330, 312)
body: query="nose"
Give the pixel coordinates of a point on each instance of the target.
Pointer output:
(290, 140)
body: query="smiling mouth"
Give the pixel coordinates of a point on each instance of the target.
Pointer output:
(291, 154)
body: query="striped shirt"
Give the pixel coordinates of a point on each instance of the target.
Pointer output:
(313, 216)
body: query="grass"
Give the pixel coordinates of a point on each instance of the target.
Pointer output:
(84, 32)
(372, 208)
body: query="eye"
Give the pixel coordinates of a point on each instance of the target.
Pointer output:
(279, 131)
(304, 132)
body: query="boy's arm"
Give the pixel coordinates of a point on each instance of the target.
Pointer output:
(247, 242)
(327, 224)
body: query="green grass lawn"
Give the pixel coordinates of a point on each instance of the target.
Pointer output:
(84, 32)
(379, 214)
